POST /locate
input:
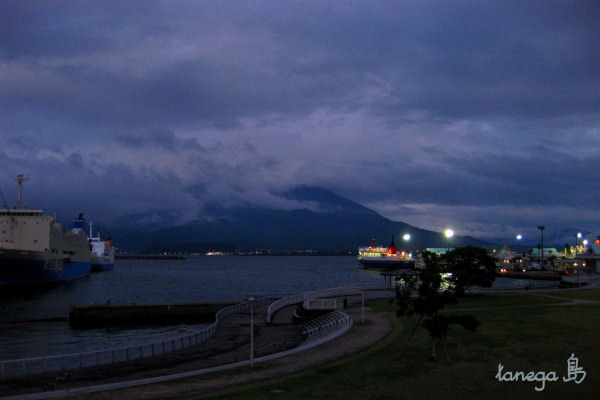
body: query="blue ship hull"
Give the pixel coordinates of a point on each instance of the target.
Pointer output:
(15, 271)
(103, 267)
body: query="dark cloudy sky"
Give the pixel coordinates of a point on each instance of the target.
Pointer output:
(481, 115)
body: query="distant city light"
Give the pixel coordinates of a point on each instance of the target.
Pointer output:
(585, 242)
(406, 236)
(519, 236)
(579, 235)
(448, 233)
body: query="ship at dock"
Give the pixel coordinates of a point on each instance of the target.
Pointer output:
(36, 250)
(384, 258)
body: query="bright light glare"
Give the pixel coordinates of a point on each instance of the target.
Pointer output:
(579, 235)
(406, 236)
(519, 236)
(448, 233)
(585, 242)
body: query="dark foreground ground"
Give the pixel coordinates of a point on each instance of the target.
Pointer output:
(230, 344)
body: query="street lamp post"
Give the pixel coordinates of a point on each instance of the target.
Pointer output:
(519, 238)
(362, 307)
(577, 237)
(541, 228)
(448, 233)
(406, 237)
(251, 300)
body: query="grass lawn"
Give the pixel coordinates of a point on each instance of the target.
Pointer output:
(523, 332)
(583, 294)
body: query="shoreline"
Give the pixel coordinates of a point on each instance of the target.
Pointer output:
(361, 336)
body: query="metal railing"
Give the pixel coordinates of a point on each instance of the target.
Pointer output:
(323, 324)
(281, 303)
(64, 362)
(320, 304)
(334, 292)
(310, 296)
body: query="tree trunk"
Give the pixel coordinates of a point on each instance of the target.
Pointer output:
(433, 349)
(446, 350)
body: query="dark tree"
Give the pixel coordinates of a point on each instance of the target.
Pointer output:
(568, 250)
(470, 266)
(442, 281)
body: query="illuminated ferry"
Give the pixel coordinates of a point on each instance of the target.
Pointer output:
(34, 248)
(384, 258)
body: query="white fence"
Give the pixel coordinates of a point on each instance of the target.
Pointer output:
(281, 303)
(332, 321)
(311, 298)
(320, 304)
(307, 298)
(64, 362)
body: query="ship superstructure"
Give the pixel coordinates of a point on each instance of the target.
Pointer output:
(34, 248)
(384, 258)
(103, 252)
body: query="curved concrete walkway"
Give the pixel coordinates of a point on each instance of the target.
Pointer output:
(377, 326)
(230, 348)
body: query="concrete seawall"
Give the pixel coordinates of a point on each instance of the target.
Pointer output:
(121, 315)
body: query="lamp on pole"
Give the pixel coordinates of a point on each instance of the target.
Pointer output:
(251, 300)
(362, 306)
(577, 237)
(519, 237)
(406, 237)
(541, 228)
(448, 233)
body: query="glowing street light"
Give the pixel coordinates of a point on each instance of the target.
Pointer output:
(585, 242)
(577, 237)
(519, 237)
(448, 233)
(406, 237)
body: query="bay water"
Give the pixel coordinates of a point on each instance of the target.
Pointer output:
(34, 323)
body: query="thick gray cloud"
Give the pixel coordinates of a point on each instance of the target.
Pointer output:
(431, 112)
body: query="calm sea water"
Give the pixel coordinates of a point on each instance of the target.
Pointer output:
(196, 279)
(25, 331)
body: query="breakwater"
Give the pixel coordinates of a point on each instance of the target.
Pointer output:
(128, 315)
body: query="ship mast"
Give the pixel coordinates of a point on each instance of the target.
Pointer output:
(20, 179)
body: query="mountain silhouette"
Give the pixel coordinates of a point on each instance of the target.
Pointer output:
(326, 222)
